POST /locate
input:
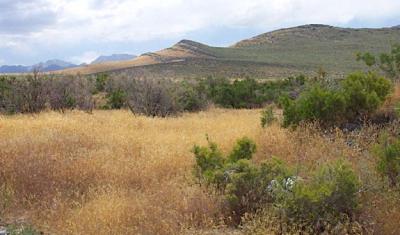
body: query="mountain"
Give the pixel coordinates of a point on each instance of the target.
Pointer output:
(280, 53)
(53, 65)
(113, 57)
(14, 69)
(48, 66)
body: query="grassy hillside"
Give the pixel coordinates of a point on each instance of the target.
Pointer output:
(276, 54)
(312, 46)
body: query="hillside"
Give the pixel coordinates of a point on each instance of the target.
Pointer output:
(275, 54)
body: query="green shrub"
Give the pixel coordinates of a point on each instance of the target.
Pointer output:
(364, 93)
(244, 149)
(248, 186)
(208, 161)
(389, 63)
(191, 98)
(356, 98)
(388, 153)
(315, 104)
(101, 80)
(329, 197)
(326, 198)
(116, 99)
(244, 184)
(248, 93)
(267, 116)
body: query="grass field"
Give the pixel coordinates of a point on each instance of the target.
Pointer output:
(115, 173)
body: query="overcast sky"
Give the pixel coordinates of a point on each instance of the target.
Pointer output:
(80, 30)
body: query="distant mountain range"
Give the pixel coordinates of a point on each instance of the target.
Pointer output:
(48, 66)
(55, 64)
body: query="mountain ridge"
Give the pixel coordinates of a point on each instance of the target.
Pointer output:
(278, 53)
(47, 66)
(305, 48)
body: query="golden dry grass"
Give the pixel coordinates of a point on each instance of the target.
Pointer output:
(115, 173)
(111, 172)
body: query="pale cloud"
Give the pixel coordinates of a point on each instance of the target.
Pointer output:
(59, 23)
(21, 16)
(140, 20)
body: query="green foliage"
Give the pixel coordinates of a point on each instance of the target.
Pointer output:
(364, 93)
(330, 194)
(240, 94)
(367, 58)
(208, 161)
(323, 204)
(389, 63)
(190, 97)
(358, 96)
(21, 230)
(101, 80)
(267, 116)
(315, 104)
(388, 153)
(248, 186)
(116, 99)
(244, 184)
(248, 93)
(244, 149)
(397, 109)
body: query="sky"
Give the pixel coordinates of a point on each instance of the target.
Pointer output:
(80, 30)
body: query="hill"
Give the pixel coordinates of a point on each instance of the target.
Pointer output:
(302, 49)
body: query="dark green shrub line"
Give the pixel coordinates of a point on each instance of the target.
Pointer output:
(354, 100)
(328, 196)
(249, 93)
(164, 97)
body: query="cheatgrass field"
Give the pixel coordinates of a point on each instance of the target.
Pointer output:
(111, 172)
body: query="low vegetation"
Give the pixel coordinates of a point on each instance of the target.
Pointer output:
(389, 63)
(101, 174)
(319, 203)
(111, 172)
(151, 97)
